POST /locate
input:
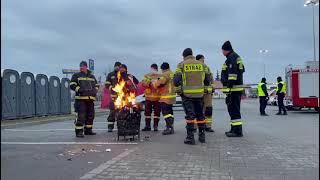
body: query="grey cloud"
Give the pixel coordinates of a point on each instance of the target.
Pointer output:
(51, 35)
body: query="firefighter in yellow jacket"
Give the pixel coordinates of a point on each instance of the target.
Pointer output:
(192, 75)
(167, 96)
(152, 99)
(207, 99)
(86, 87)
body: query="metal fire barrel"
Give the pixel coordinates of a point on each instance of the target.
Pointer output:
(128, 122)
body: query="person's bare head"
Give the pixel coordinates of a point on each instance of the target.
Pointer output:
(200, 58)
(83, 66)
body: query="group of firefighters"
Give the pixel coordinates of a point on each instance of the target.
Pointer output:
(192, 80)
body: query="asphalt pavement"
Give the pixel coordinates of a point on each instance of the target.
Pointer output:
(273, 148)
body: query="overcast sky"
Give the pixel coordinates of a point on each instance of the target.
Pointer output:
(49, 35)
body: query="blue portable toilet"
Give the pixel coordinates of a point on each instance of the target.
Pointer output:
(42, 94)
(10, 94)
(54, 95)
(27, 95)
(65, 95)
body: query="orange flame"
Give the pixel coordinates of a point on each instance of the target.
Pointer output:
(123, 98)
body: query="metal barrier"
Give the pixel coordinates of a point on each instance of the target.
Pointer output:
(10, 94)
(54, 95)
(65, 96)
(27, 95)
(42, 95)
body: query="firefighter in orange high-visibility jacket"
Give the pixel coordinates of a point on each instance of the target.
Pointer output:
(167, 96)
(86, 87)
(152, 99)
(192, 76)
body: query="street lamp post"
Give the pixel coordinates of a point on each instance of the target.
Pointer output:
(313, 3)
(263, 51)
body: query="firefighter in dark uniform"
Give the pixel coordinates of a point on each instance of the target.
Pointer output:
(86, 87)
(152, 99)
(232, 80)
(281, 91)
(167, 96)
(111, 81)
(207, 98)
(263, 96)
(192, 75)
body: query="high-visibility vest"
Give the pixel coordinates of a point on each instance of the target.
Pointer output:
(260, 91)
(284, 87)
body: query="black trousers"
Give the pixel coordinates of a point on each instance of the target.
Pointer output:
(263, 104)
(167, 110)
(112, 115)
(193, 108)
(154, 106)
(233, 101)
(280, 103)
(85, 110)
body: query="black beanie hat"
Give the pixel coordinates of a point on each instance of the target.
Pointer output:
(165, 66)
(117, 64)
(227, 46)
(263, 80)
(154, 66)
(187, 52)
(199, 56)
(124, 66)
(83, 63)
(279, 78)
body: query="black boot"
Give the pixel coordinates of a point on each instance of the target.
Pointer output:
(231, 130)
(89, 132)
(110, 127)
(209, 129)
(148, 125)
(169, 129)
(155, 124)
(237, 132)
(202, 136)
(190, 137)
(285, 113)
(79, 133)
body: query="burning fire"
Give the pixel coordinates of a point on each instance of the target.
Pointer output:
(124, 98)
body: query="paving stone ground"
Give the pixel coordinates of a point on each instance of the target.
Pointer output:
(256, 156)
(273, 148)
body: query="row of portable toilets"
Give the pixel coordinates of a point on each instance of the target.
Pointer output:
(25, 95)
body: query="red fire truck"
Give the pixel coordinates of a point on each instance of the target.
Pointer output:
(303, 86)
